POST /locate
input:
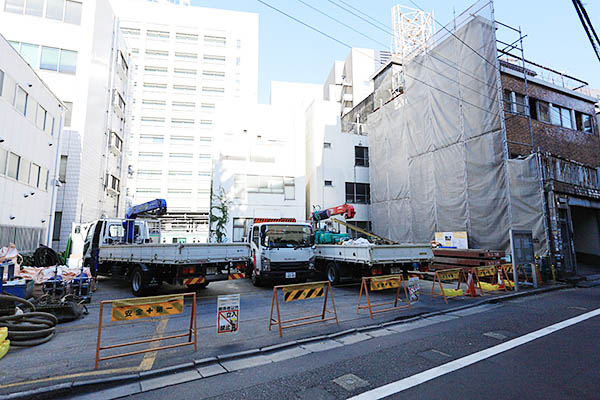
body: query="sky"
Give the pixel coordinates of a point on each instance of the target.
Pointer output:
(289, 51)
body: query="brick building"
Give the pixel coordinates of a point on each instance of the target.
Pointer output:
(557, 123)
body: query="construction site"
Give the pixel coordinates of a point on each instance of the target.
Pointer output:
(447, 179)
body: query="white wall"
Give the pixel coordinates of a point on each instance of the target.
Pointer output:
(335, 164)
(23, 137)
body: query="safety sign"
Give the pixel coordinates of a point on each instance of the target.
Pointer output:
(228, 313)
(144, 307)
(413, 289)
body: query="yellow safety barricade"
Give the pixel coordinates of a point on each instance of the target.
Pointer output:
(382, 283)
(453, 274)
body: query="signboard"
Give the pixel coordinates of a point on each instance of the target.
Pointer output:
(228, 313)
(302, 292)
(521, 246)
(386, 283)
(413, 289)
(452, 239)
(145, 307)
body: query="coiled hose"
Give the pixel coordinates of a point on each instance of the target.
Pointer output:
(30, 328)
(45, 257)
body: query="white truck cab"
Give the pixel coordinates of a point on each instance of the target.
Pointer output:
(281, 251)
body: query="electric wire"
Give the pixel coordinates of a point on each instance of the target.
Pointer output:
(363, 13)
(364, 19)
(583, 17)
(405, 73)
(341, 23)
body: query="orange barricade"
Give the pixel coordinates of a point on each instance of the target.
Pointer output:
(453, 274)
(382, 283)
(302, 291)
(146, 307)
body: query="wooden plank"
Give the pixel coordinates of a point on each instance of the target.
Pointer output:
(474, 262)
(467, 253)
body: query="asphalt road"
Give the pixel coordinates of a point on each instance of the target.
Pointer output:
(559, 365)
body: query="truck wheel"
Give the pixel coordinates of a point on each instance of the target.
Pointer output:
(256, 281)
(333, 273)
(138, 282)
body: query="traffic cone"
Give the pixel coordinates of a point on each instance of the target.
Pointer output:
(471, 286)
(501, 285)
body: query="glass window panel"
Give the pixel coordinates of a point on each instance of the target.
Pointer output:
(586, 121)
(73, 12)
(520, 103)
(68, 61)
(57, 226)
(34, 175)
(55, 9)
(3, 158)
(13, 165)
(14, 6)
(565, 114)
(24, 171)
(21, 100)
(543, 111)
(30, 53)
(40, 120)
(1, 81)
(15, 45)
(49, 58)
(555, 115)
(68, 113)
(31, 110)
(8, 89)
(34, 7)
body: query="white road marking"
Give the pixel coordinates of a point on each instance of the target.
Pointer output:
(411, 381)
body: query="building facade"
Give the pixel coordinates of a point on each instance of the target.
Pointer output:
(30, 133)
(76, 48)
(192, 66)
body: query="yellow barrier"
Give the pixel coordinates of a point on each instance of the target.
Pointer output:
(302, 291)
(382, 283)
(453, 274)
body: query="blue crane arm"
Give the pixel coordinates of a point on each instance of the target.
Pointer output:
(154, 207)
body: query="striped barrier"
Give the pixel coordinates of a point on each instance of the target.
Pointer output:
(302, 291)
(194, 281)
(146, 307)
(454, 274)
(234, 276)
(382, 283)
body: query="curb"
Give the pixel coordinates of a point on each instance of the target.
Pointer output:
(66, 387)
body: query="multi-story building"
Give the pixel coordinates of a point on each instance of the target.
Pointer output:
(260, 159)
(77, 50)
(30, 132)
(192, 65)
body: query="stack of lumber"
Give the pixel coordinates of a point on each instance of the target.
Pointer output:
(466, 258)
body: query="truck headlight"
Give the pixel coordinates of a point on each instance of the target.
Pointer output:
(265, 263)
(311, 263)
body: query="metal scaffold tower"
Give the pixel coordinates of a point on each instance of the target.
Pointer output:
(412, 30)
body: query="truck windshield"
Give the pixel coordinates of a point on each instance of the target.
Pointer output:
(286, 236)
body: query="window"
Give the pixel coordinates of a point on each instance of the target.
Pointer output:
(68, 113)
(57, 226)
(584, 122)
(205, 139)
(214, 74)
(326, 145)
(204, 156)
(179, 191)
(8, 88)
(160, 53)
(215, 40)
(255, 235)
(151, 139)
(3, 158)
(181, 155)
(55, 9)
(364, 225)
(40, 120)
(239, 229)
(328, 183)
(239, 186)
(68, 61)
(507, 94)
(180, 173)
(520, 106)
(72, 12)
(119, 100)
(13, 165)
(269, 184)
(358, 193)
(289, 188)
(184, 104)
(206, 122)
(208, 89)
(147, 190)
(116, 141)
(191, 56)
(152, 120)
(560, 116)
(115, 183)
(14, 6)
(49, 58)
(182, 139)
(361, 156)
(185, 71)
(24, 169)
(186, 36)
(130, 31)
(151, 85)
(149, 68)
(154, 102)
(30, 52)
(188, 88)
(123, 62)
(49, 124)
(34, 175)
(1, 81)
(21, 100)
(214, 59)
(149, 154)
(182, 121)
(157, 34)
(149, 172)
(208, 106)
(62, 169)
(34, 7)
(543, 111)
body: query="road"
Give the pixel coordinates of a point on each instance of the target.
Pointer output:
(558, 365)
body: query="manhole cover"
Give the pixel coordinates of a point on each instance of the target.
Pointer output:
(350, 382)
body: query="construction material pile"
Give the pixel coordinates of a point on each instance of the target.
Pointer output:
(466, 258)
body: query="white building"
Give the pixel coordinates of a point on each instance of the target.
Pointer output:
(192, 65)
(30, 132)
(337, 161)
(260, 163)
(76, 49)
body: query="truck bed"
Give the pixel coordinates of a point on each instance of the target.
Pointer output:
(375, 254)
(191, 253)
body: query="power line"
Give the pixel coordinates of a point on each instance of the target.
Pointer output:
(363, 13)
(342, 23)
(587, 26)
(358, 16)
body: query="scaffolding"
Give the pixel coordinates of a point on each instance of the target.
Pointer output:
(412, 30)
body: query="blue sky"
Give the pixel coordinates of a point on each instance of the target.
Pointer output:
(292, 52)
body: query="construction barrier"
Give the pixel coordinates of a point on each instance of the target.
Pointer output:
(382, 283)
(146, 307)
(508, 270)
(454, 274)
(238, 275)
(4, 342)
(302, 291)
(194, 281)
(492, 274)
